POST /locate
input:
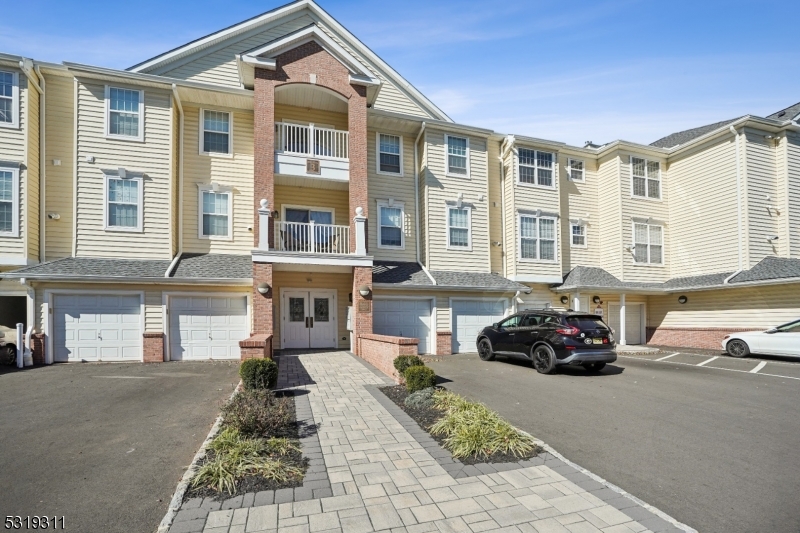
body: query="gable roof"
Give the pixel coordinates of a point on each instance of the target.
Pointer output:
(284, 11)
(790, 113)
(682, 137)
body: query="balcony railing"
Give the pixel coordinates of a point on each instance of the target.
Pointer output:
(311, 238)
(311, 141)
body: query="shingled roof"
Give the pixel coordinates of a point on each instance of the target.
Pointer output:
(682, 137)
(410, 274)
(790, 113)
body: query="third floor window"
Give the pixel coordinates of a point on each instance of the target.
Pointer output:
(216, 134)
(646, 176)
(9, 96)
(125, 113)
(536, 168)
(390, 154)
(457, 156)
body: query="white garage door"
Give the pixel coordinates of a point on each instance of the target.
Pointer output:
(471, 316)
(206, 327)
(633, 322)
(404, 318)
(97, 328)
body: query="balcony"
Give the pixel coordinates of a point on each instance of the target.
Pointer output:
(311, 151)
(311, 238)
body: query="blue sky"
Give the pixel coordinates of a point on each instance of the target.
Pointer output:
(568, 71)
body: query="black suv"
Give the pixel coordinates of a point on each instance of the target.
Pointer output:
(549, 338)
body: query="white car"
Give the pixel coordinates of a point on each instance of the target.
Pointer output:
(781, 340)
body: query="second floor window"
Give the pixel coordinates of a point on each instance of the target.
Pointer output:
(9, 95)
(216, 132)
(537, 238)
(648, 247)
(9, 203)
(124, 207)
(578, 232)
(390, 154)
(646, 177)
(216, 216)
(390, 232)
(125, 112)
(575, 170)
(457, 156)
(535, 167)
(458, 227)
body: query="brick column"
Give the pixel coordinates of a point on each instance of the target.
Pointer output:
(357, 125)
(153, 347)
(362, 307)
(263, 148)
(38, 348)
(262, 303)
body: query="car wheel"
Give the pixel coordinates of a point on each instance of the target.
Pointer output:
(485, 351)
(544, 359)
(738, 348)
(8, 355)
(594, 367)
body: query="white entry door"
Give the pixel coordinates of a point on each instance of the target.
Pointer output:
(207, 327)
(471, 316)
(404, 318)
(104, 327)
(633, 322)
(308, 319)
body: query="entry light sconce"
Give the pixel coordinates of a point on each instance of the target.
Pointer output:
(564, 299)
(53, 216)
(364, 291)
(122, 173)
(263, 287)
(772, 238)
(596, 299)
(682, 299)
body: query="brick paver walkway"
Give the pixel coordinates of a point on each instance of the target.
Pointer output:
(382, 479)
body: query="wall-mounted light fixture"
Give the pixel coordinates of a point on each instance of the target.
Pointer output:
(364, 291)
(596, 299)
(122, 173)
(682, 299)
(564, 299)
(263, 287)
(53, 216)
(772, 238)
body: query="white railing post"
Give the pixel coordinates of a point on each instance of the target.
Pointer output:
(361, 231)
(263, 225)
(312, 145)
(20, 345)
(622, 329)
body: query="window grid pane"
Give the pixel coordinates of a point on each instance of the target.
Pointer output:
(389, 153)
(6, 109)
(6, 202)
(527, 165)
(391, 228)
(653, 188)
(458, 220)
(529, 241)
(547, 236)
(123, 203)
(638, 186)
(457, 155)
(215, 214)
(576, 170)
(216, 132)
(124, 112)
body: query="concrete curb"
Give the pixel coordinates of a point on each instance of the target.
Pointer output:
(177, 498)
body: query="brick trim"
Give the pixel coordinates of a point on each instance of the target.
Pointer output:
(444, 343)
(389, 339)
(381, 350)
(258, 346)
(705, 338)
(38, 348)
(153, 344)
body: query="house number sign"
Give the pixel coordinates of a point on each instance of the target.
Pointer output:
(312, 166)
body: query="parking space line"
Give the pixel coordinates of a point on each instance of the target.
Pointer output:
(668, 356)
(758, 367)
(704, 363)
(712, 367)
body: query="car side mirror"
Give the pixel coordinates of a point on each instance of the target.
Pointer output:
(496, 325)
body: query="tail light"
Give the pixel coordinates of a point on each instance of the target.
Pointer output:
(605, 341)
(569, 330)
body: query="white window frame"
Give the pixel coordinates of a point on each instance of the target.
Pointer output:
(14, 101)
(395, 205)
(138, 138)
(14, 202)
(633, 244)
(139, 228)
(646, 179)
(538, 258)
(535, 167)
(583, 170)
(469, 227)
(447, 138)
(378, 155)
(201, 136)
(582, 225)
(219, 190)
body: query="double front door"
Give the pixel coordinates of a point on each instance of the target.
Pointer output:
(308, 319)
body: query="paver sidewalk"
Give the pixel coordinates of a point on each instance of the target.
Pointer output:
(382, 479)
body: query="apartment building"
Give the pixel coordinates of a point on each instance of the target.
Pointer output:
(276, 185)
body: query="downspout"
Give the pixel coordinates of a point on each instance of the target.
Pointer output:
(503, 151)
(42, 166)
(26, 66)
(75, 170)
(179, 252)
(738, 197)
(416, 201)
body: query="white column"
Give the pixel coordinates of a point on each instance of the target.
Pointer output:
(621, 340)
(20, 344)
(576, 302)
(361, 231)
(263, 225)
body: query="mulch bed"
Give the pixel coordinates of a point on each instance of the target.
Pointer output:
(427, 416)
(258, 483)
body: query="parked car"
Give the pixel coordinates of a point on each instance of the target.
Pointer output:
(550, 338)
(782, 340)
(8, 345)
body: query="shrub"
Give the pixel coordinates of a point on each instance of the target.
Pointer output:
(419, 377)
(404, 362)
(259, 373)
(258, 413)
(421, 398)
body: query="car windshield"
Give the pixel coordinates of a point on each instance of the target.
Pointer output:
(586, 322)
(791, 327)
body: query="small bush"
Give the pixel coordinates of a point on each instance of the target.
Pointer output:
(419, 377)
(258, 413)
(404, 362)
(419, 399)
(259, 373)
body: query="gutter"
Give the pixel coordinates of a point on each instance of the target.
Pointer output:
(442, 287)
(137, 280)
(416, 202)
(179, 252)
(503, 151)
(42, 166)
(738, 196)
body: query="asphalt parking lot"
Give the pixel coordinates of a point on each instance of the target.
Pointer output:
(104, 445)
(708, 439)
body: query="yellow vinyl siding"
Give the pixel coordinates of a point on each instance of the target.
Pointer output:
(400, 189)
(760, 183)
(610, 214)
(539, 297)
(151, 157)
(235, 171)
(339, 201)
(442, 189)
(60, 145)
(793, 200)
(315, 116)
(341, 283)
(495, 207)
(702, 193)
(579, 201)
(746, 307)
(31, 185)
(510, 229)
(13, 144)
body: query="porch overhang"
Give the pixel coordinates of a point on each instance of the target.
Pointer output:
(272, 256)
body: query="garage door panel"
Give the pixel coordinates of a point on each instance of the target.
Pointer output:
(207, 327)
(471, 316)
(404, 318)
